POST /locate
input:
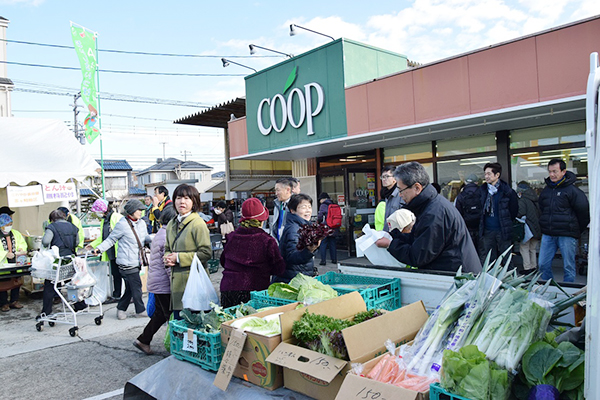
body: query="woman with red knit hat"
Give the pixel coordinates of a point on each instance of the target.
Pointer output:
(250, 256)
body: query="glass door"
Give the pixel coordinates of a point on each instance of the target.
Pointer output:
(335, 186)
(362, 201)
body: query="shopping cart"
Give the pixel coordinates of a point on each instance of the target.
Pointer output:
(60, 275)
(217, 248)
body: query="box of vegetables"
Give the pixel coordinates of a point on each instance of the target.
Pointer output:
(320, 342)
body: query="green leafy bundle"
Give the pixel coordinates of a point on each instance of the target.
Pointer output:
(304, 289)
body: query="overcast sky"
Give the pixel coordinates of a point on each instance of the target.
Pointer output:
(423, 30)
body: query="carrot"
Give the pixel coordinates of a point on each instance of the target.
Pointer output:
(400, 377)
(376, 371)
(386, 371)
(393, 372)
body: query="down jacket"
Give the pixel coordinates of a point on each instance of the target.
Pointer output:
(565, 208)
(508, 207)
(439, 239)
(295, 261)
(159, 276)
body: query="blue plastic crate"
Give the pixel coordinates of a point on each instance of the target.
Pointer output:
(209, 346)
(436, 392)
(378, 293)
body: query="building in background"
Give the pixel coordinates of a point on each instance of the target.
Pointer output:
(6, 85)
(172, 172)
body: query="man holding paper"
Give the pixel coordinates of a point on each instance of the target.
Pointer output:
(439, 239)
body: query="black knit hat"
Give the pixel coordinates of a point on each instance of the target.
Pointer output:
(324, 195)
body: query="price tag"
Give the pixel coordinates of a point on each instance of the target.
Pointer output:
(190, 341)
(230, 359)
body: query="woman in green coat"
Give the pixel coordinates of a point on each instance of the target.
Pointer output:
(187, 235)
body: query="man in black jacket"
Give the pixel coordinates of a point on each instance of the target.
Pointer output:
(565, 215)
(439, 239)
(468, 204)
(500, 207)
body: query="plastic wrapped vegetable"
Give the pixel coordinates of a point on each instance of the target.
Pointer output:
(311, 234)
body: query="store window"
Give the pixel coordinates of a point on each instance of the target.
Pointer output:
(469, 145)
(548, 135)
(412, 152)
(453, 173)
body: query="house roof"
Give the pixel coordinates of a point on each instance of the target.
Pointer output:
(170, 164)
(218, 175)
(6, 81)
(86, 192)
(217, 116)
(135, 191)
(116, 165)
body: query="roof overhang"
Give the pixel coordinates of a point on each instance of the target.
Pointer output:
(518, 117)
(217, 116)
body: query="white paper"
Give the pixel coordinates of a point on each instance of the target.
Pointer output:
(365, 246)
(190, 341)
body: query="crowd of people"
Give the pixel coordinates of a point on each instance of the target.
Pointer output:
(427, 232)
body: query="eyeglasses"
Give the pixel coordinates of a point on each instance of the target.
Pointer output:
(402, 190)
(386, 177)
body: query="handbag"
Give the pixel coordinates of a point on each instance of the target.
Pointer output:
(151, 306)
(226, 228)
(199, 292)
(143, 258)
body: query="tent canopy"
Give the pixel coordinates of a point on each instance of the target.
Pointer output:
(41, 150)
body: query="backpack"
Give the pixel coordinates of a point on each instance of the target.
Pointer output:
(334, 216)
(472, 207)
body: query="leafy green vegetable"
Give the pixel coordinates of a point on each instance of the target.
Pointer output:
(283, 291)
(301, 279)
(263, 326)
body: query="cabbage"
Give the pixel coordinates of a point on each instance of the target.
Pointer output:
(266, 327)
(315, 292)
(283, 291)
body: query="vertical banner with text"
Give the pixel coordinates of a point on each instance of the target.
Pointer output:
(85, 46)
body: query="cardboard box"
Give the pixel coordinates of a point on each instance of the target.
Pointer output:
(251, 365)
(358, 386)
(320, 376)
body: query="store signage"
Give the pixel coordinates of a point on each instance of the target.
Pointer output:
(54, 192)
(305, 101)
(24, 196)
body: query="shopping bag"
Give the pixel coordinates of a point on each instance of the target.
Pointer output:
(527, 234)
(365, 246)
(99, 271)
(226, 228)
(43, 259)
(82, 277)
(199, 291)
(151, 306)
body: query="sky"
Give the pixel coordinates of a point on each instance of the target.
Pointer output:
(141, 132)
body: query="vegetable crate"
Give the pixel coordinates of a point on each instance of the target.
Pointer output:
(209, 352)
(262, 299)
(376, 292)
(436, 392)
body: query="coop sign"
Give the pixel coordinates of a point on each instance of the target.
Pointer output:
(310, 102)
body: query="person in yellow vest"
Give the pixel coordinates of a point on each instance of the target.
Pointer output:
(109, 219)
(12, 244)
(380, 215)
(160, 200)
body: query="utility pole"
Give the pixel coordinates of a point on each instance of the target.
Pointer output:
(185, 153)
(79, 135)
(163, 145)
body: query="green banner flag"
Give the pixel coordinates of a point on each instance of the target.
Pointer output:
(85, 46)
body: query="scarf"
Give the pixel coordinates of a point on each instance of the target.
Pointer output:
(182, 217)
(489, 204)
(552, 184)
(385, 193)
(251, 223)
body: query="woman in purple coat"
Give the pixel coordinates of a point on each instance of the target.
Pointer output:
(159, 283)
(250, 256)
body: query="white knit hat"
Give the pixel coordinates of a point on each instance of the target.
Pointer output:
(400, 219)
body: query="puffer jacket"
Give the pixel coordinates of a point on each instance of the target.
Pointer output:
(565, 208)
(508, 207)
(439, 239)
(159, 277)
(128, 256)
(295, 261)
(528, 208)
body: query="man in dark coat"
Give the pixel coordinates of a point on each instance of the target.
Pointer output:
(439, 239)
(565, 215)
(528, 208)
(500, 207)
(468, 204)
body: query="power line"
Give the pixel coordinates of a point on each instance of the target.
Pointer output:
(137, 52)
(112, 71)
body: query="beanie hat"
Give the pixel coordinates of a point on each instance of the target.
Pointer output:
(100, 206)
(472, 178)
(252, 208)
(400, 219)
(133, 205)
(5, 219)
(522, 187)
(324, 195)
(64, 209)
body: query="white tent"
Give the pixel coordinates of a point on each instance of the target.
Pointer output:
(41, 150)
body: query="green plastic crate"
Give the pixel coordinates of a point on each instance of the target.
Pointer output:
(209, 346)
(436, 392)
(377, 292)
(213, 265)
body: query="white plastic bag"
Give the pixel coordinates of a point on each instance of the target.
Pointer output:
(365, 246)
(82, 277)
(99, 271)
(199, 291)
(43, 259)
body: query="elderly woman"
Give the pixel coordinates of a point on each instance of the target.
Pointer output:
(12, 244)
(131, 233)
(297, 261)
(250, 256)
(187, 235)
(159, 282)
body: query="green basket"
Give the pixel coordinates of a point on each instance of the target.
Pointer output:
(377, 292)
(213, 265)
(436, 392)
(209, 348)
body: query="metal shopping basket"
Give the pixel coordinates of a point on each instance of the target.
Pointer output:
(61, 273)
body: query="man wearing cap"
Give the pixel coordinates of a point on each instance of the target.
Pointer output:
(468, 204)
(250, 256)
(102, 209)
(283, 190)
(131, 234)
(12, 244)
